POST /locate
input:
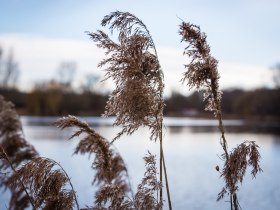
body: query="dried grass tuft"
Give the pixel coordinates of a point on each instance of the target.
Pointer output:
(111, 173)
(147, 192)
(47, 184)
(244, 155)
(133, 65)
(14, 151)
(202, 71)
(31, 179)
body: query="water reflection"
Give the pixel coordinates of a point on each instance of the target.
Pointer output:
(196, 125)
(191, 156)
(276, 140)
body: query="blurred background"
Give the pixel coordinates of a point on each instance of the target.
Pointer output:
(48, 68)
(48, 64)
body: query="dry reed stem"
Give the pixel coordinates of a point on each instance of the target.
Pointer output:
(166, 182)
(202, 73)
(3, 155)
(134, 67)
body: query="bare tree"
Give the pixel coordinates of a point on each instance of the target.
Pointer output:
(65, 73)
(1, 52)
(8, 70)
(276, 75)
(90, 82)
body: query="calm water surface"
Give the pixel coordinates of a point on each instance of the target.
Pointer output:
(191, 153)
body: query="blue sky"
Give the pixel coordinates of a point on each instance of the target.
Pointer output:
(243, 35)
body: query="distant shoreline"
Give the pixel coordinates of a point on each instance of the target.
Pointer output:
(196, 124)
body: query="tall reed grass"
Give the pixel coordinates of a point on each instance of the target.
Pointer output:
(202, 73)
(132, 63)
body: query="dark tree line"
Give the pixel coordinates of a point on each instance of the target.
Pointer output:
(262, 104)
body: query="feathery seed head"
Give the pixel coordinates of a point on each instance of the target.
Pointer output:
(202, 71)
(134, 67)
(111, 172)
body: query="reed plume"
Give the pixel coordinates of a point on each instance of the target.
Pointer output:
(48, 185)
(14, 151)
(133, 64)
(147, 191)
(244, 155)
(30, 178)
(11, 136)
(111, 174)
(202, 73)
(111, 178)
(44, 184)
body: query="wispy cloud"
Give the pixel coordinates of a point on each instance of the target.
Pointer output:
(39, 58)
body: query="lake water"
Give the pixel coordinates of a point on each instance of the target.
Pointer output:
(191, 153)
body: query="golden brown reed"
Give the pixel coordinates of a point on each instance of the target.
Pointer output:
(30, 178)
(114, 191)
(132, 63)
(202, 73)
(147, 191)
(48, 185)
(14, 151)
(44, 184)
(111, 172)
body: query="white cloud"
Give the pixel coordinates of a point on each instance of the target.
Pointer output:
(244, 76)
(233, 75)
(39, 58)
